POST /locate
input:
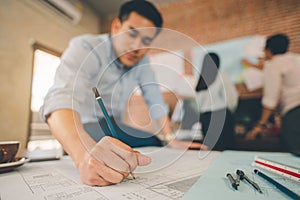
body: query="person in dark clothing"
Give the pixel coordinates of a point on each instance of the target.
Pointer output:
(217, 99)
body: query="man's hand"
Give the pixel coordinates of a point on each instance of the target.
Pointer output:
(109, 162)
(252, 134)
(246, 62)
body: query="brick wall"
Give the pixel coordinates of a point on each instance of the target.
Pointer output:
(209, 21)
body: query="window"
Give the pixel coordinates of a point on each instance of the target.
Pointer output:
(45, 63)
(41, 144)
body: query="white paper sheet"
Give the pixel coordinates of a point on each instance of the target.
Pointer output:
(171, 173)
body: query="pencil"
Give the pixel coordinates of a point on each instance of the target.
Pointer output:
(101, 104)
(107, 118)
(280, 187)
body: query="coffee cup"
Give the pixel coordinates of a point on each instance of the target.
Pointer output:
(8, 151)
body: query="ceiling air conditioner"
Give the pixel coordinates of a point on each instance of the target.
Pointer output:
(69, 9)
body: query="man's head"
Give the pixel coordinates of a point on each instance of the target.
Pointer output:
(276, 44)
(138, 23)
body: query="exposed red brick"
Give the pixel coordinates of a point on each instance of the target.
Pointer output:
(209, 21)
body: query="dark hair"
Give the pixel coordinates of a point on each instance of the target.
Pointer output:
(209, 72)
(277, 44)
(143, 8)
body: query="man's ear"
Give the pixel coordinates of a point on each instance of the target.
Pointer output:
(115, 25)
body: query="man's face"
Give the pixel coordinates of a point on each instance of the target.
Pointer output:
(132, 37)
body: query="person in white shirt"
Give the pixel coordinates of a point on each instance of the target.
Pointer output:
(217, 99)
(281, 89)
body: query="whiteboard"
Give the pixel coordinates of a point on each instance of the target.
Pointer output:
(231, 53)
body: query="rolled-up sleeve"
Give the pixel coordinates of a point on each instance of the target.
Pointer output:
(71, 79)
(272, 86)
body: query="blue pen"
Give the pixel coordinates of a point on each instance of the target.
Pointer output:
(280, 187)
(101, 104)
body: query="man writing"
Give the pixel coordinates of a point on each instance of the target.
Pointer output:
(116, 64)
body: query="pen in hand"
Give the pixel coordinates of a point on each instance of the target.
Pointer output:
(107, 118)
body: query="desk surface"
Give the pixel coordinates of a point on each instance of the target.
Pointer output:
(214, 184)
(244, 93)
(171, 174)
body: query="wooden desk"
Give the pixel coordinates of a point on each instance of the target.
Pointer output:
(271, 144)
(244, 93)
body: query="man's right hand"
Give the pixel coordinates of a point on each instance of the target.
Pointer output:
(109, 162)
(104, 163)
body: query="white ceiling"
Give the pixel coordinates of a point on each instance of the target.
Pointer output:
(107, 7)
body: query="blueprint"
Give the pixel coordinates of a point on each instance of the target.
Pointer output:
(171, 174)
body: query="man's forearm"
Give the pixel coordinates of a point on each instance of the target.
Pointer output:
(66, 126)
(266, 113)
